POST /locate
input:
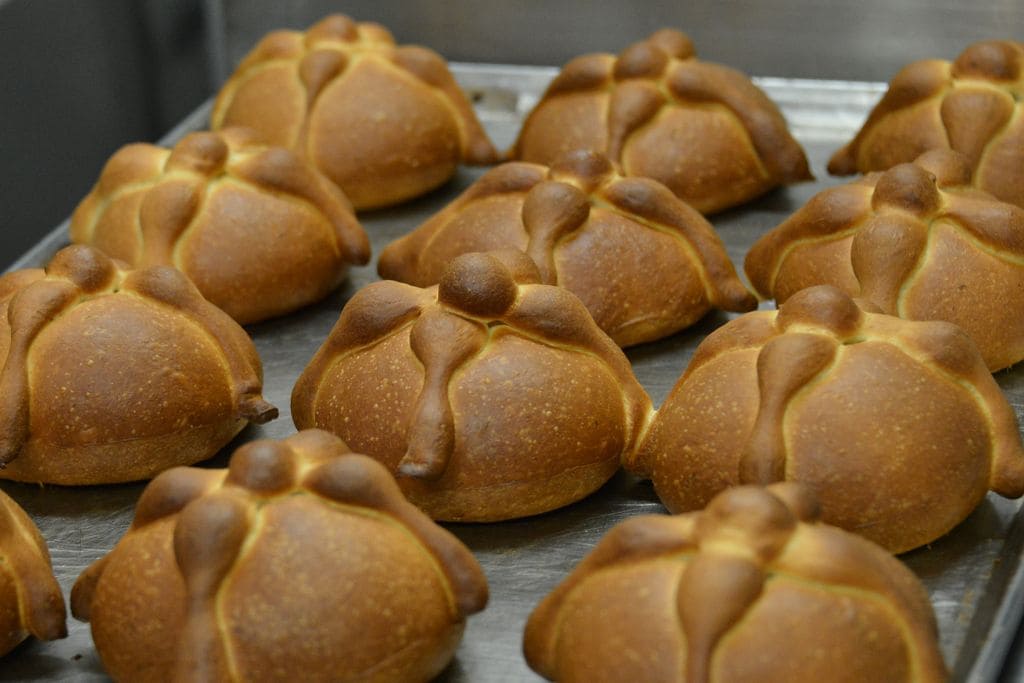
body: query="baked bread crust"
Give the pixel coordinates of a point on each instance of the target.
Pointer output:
(113, 375)
(31, 602)
(643, 262)
(751, 589)
(258, 230)
(919, 242)
(972, 105)
(490, 396)
(702, 129)
(386, 123)
(301, 561)
(896, 426)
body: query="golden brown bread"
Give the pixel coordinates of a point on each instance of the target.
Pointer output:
(258, 230)
(385, 123)
(897, 426)
(301, 561)
(974, 105)
(643, 262)
(918, 242)
(702, 129)
(113, 375)
(753, 589)
(30, 599)
(490, 396)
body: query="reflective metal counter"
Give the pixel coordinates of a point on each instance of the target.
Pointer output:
(974, 575)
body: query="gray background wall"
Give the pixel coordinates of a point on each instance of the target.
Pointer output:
(836, 39)
(79, 78)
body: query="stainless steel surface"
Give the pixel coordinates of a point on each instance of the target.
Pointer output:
(973, 575)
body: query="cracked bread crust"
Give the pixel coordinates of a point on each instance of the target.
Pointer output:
(301, 561)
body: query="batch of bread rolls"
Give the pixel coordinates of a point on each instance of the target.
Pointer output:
(484, 380)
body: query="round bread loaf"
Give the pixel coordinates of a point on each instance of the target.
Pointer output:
(490, 396)
(300, 562)
(918, 242)
(702, 129)
(113, 375)
(896, 426)
(258, 230)
(973, 105)
(752, 589)
(641, 260)
(30, 599)
(385, 123)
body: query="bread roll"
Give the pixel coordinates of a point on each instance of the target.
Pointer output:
(300, 561)
(752, 589)
(896, 426)
(258, 230)
(490, 396)
(643, 262)
(385, 123)
(972, 105)
(113, 375)
(702, 129)
(30, 599)
(919, 242)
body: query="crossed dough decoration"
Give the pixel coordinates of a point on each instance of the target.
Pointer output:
(449, 327)
(701, 597)
(643, 262)
(702, 129)
(198, 534)
(974, 105)
(72, 449)
(259, 230)
(385, 123)
(896, 425)
(919, 242)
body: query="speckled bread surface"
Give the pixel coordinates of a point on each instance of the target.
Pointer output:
(919, 242)
(490, 396)
(974, 105)
(30, 599)
(643, 262)
(258, 230)
(703, 129)
(113, 375)
(386, 123)
(896, 426)
(300, 562)
(754, 588)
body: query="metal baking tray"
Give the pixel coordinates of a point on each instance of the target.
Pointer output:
(974, 575)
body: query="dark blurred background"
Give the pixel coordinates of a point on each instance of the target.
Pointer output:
(79, 78)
